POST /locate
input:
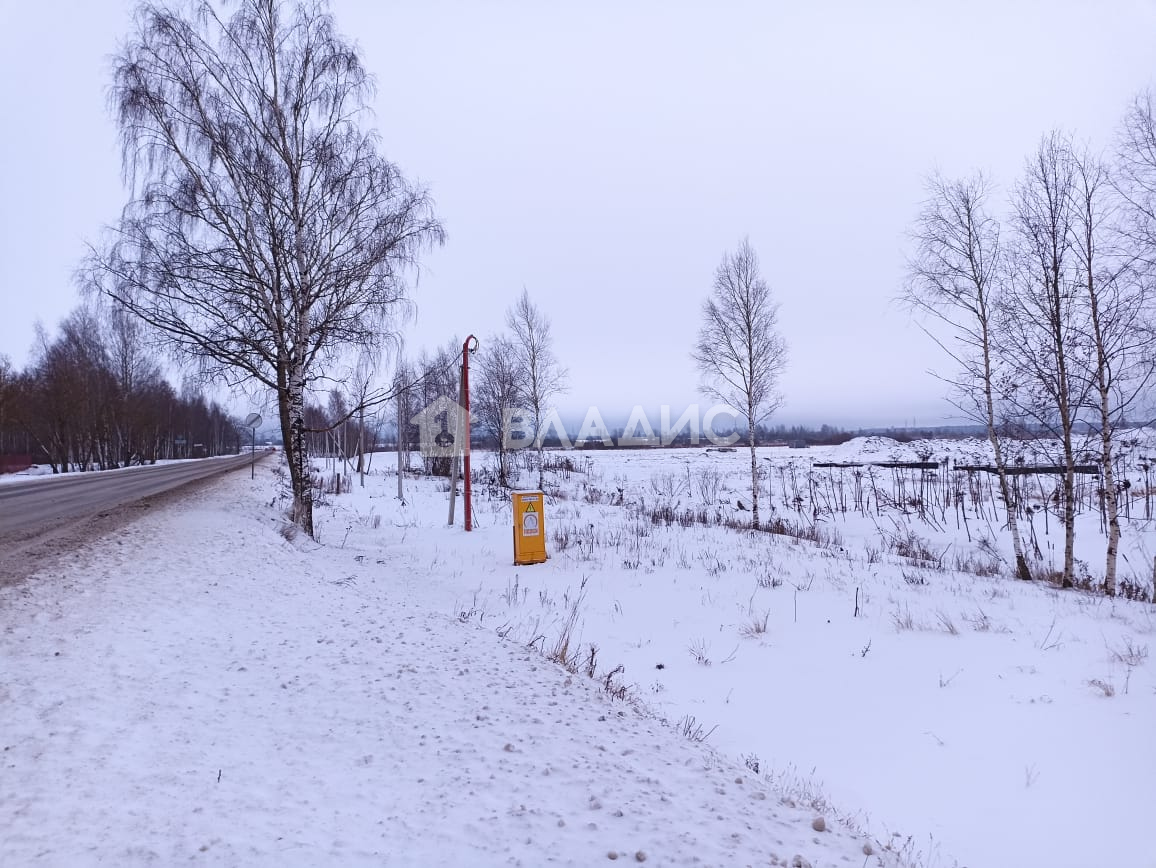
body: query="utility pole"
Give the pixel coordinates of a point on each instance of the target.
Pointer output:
(469, 347)
(400, 438)
(462, 438)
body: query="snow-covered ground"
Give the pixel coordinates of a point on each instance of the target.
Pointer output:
(202, 688)
(36, 471)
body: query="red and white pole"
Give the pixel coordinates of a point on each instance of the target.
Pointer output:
(468, 348)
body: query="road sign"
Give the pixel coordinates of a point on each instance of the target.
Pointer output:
(252, 421)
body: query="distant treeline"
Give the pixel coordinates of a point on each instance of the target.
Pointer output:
(796, 436)
(776, 435)
(92, 398)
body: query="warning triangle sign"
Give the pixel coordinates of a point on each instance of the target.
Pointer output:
(530, 507)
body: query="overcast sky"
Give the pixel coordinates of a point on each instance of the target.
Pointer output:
(605, 155)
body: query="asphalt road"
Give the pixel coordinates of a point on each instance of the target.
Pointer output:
(40, 503)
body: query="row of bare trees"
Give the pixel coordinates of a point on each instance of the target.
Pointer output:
(345, 426)
(515, 375)
(1049, 313)
(740, 354)
(267, 237)
(418, 384)
(93, 398)
(269, 240)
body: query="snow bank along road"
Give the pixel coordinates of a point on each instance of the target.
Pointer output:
(198, 690)
(27, 506)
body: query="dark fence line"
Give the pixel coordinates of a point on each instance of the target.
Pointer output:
(913, 465)
(1043, 469)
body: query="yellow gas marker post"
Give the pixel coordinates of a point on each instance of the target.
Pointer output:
(529, 527)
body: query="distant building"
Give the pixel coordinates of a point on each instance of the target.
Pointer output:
(14, 463)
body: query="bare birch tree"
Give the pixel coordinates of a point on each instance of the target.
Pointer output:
(957, 278)
(1115, 296)
(439, 376)
(136, 373)
(361, 384)
(740, 353)
(1045, 314)
(500, 389)
(403, 377)
(266, 234)
(1135, 177)
(542, 377)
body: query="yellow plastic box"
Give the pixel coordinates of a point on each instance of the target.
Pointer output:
(529, 527)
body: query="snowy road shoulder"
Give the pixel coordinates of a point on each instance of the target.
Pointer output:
(198, 689)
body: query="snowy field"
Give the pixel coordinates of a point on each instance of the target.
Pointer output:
(205, 689)
(36, 471)
(200, 690)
